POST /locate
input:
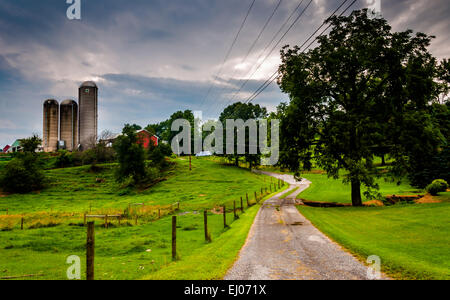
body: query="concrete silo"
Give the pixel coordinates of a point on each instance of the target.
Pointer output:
(88, 114)
(51, 122)
(68, 127)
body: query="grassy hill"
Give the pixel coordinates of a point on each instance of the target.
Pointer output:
(53, 223)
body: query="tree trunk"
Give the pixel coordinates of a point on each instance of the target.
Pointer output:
(356, 193)
(383, 161)
(236, 162)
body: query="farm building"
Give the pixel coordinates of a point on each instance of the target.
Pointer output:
(6, 148)
(144, 139)
(15, 147)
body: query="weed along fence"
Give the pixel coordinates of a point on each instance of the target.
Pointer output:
(134, 214)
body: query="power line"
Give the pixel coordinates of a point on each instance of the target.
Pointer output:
(274, 47)
(256, 40)
(273, 76)
(230, 50)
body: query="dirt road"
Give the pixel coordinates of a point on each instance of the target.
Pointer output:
(284, 245)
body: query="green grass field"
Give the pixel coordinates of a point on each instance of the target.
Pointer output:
(128, 251)
(210, 184)
(324, 189)
(412, 240)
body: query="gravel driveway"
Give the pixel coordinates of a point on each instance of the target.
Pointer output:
(284, 245)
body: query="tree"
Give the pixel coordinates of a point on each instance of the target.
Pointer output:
(245, 112)
(31, 144)
(22, 174)
(131, 156)
(359, 81)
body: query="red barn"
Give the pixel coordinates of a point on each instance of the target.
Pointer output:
(6, 148)
(145, 137)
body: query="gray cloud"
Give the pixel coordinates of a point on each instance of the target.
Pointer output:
(152, 57)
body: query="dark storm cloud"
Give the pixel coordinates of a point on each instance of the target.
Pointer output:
(153, 57)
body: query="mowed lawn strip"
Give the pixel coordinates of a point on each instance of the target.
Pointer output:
(411, 240)
(211, 261)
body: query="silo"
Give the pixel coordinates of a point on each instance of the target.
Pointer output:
(88, 115)
(51, 122)
(68, 127)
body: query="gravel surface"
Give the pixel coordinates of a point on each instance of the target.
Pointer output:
(284, 245)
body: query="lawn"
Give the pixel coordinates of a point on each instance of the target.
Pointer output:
(411, 240)
(324, 189)
(129, 251)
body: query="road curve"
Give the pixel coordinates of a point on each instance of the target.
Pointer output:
(284, 245)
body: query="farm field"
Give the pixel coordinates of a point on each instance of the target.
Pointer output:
(53, 228)
(210, 184)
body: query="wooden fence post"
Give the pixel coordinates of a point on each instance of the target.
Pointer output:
(242, 205)
(224, 217)
(205, 222)
(174, 237)
(21, 224)
(256, 198)
(90, 251)
(159, 213)
(178, 206)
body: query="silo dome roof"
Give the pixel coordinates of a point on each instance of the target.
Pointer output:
(51, 101)
(88, 84)
(68, 102)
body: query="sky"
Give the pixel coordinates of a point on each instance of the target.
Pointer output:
(151, 58)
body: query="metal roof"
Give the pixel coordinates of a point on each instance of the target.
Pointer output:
(68, 102)
(88, 84)
(51, 101)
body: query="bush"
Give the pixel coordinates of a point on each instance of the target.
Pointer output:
(437, 186)
(64, 160)
(22, 175)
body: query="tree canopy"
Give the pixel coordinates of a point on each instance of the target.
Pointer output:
(362, 91)
(245, 112)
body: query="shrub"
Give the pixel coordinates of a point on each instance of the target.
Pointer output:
(22, 175)
(64, 160)
(437, 186)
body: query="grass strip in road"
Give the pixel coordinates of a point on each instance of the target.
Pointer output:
(289, 193)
